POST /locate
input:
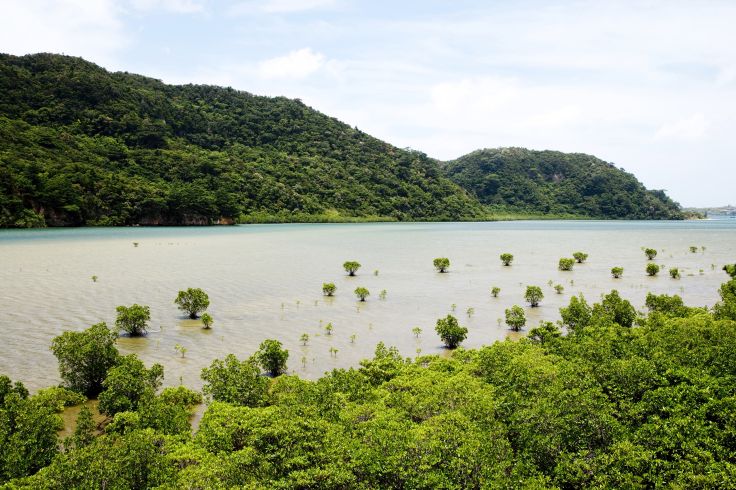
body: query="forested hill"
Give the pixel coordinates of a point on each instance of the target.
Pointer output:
(522, 180)
(82, 146)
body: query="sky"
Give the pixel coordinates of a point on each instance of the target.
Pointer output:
(648, 85)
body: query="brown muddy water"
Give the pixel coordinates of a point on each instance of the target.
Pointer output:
(264, 281)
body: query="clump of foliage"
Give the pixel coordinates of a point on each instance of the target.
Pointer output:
(233, 381)
(617, 272)
(693, 249)
(559, 288)
(674, 273)
(566, 264)
(515, 318)
(450, 331)
(495, 290)
(441, 264)
(362, 293)
(351, 267)
(506, 259)
(533, 295)
(328, 289)
(84, 432)
(580, 257)
(652, 269)
(577, 314)
(192, 301)
(272, 357)
(181, 350)
(730, 270)
(133, 319)
(650, 253)
(128, 384)
(207, 321)
(85, 357)
(613, 309)
(28, 431)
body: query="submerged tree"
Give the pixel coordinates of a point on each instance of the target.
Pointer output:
(207, 320)
(533, 295)
(674, 273)
(351, 267)
(362, 293)
(450, 331)
(328, 288)
(652, 269)
(192, 301)
(515, 318)
(272, 357)
(650, 253)
(506, 258)
(441, 264)
(495, 290)
(566, 264)
(133, 319)
(580, 257)
(559, 288)
(617, 272)
(85, 357)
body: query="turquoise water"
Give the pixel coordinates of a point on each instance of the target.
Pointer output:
(264, 281)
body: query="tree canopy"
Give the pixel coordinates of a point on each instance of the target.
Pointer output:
(521, 180)
(84, 146)
(622, 401)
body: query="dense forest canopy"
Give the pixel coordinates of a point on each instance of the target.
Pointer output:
(560, 183)
(82, 146)
(605, 398)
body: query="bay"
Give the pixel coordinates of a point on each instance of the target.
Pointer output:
(264, 281)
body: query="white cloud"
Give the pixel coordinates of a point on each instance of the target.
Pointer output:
(176, 6)
(280, 6)
(297, 64)
(690, 129)
(92, 30)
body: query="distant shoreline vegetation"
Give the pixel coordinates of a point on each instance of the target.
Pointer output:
(81, 146)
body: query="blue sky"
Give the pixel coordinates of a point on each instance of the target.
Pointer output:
(648, 85)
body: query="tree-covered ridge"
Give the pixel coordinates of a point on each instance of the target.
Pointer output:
(82, 146)
(524, 180)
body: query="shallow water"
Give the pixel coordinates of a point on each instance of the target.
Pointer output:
(264, 281)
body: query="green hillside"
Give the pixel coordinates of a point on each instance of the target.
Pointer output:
(82, 146)
(521, 180)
